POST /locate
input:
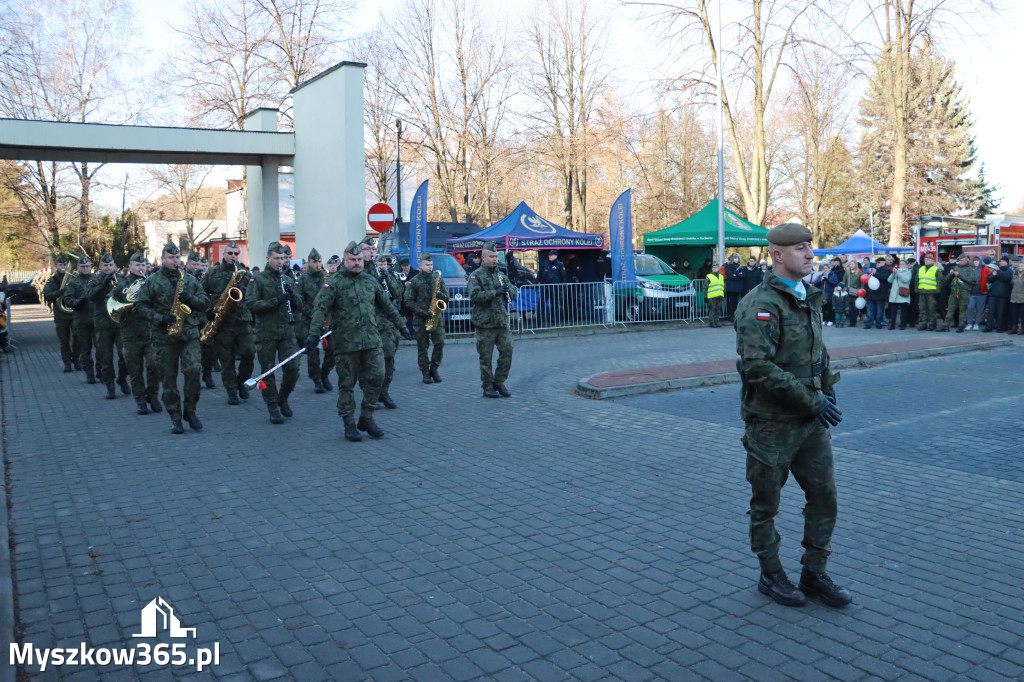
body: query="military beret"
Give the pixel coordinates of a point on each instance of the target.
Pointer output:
(368, 240)
(193, 256)
(275, 247)
(170, 248)
(334, 259)
(62, 259)
(489, 246)
(353, 249)
(314, 255)
(137, 258)
(788, 234)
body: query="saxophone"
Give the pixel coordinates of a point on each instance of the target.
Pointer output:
(178, 309)
(227, 301)
(437, 306)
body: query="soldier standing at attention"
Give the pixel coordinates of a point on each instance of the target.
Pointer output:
(156, 303)
(310, 284)
(788, 403)
(75, 294)
(393, 289)
(51, 292)
(234, 336)
(136, 334)
(271, 297)
(354, 299)
(418, 296)
(489, 291)
(106, 332)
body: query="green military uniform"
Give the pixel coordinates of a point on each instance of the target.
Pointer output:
(136, 344)
(62, 320)
(328, 364)
(490, 319)
(310, 284)
(154, 304)
(962, 277)
(207, 355)
(106, 332)
(786, 375)
(354, 301)
(389, 336)
(418, 295)
(929, 284)
(275, 334)
(234, 336)
(76, 297)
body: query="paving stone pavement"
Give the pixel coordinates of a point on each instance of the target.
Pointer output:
(546, 537)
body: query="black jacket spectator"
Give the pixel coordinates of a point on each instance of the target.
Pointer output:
(882, 292)
(1000, 282)
(752, 276)
(735, 279)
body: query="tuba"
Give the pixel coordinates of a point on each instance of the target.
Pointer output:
(178, 309)
(72, 271)
(227, 301)
(437, 306)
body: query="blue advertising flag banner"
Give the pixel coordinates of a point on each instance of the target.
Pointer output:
(418, 224)
(620, 231)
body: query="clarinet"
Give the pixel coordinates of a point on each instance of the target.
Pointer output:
(291, 317)
(384, 282)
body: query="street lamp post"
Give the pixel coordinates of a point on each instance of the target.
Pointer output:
(398, 174)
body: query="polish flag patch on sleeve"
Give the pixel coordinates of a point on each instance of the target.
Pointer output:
(764, 316)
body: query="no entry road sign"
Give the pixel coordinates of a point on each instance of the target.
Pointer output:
(381, 217)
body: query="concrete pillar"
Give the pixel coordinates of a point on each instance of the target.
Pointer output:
(330, 172)
(262, 213)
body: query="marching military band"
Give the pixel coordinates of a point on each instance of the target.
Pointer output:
(144, 328)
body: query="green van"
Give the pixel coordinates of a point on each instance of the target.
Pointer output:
(660, 293)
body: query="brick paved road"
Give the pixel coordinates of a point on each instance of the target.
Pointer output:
(547, 537)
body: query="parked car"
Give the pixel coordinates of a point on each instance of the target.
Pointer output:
(22, 292)
(660, 293)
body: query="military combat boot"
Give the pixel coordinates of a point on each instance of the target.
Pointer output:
(90, 377)
(193, 421)
(275, 416)
(777, 586)
(326, 382)
(318, 386)
(821, 586)
(489, 392)
(284, 407)
(386, 401)
(154, 404)
(125, 388)
(233, 399)
(502, 391)
(68, 368)
(208, 379)
(367, 424)
(435, 376)
(243, 392)
(176, 427)
(76, 365)
(111, 394)
(143, 407)
(352, 433)
(427, 379)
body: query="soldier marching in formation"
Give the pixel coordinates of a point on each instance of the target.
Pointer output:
(422, 290)
(310, 284)
(136, 338)
(106, 332)
(52, 293)
(75, 297)
(393, 289)
(234, 334)
(489, 291)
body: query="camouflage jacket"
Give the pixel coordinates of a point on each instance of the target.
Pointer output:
(488, 305)
(51, 292)
(967, 277)
(310, 284)
(214, 283)
(420, 292)
(784, 362)
(134, 327)
(155, 298)
(263, 296)
(99, 287)
(353, 302)
(397, 288)
(76, 296)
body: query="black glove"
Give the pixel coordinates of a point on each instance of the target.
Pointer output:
(287, 289)
(381, 279)
(210, 315)
(406, 334)
(311, 342)
(424, 315)
(167, 320)
(829, 414)
(284, 298)
(502, 290)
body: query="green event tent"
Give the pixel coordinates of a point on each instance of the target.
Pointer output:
(701, 229)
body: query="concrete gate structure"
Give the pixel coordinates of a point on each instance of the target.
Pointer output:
(325, 149)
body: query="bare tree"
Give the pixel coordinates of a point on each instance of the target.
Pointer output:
(184, 183)
(381, 113)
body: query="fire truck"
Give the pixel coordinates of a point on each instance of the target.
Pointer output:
(945, 236)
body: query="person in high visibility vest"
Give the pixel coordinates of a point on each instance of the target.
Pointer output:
(716, 296)
(929, 283)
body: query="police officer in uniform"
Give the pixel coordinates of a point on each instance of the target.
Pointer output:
(393, 289)
(75, 297)
(418, 296)
(788, 403)
(271, 297)
(136, 335)
(62, 320)
(489, 291)
(354, 299)
(310, 284)
(155, 303)
(234, 336)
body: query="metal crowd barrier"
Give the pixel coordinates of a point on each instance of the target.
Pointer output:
(540, 307)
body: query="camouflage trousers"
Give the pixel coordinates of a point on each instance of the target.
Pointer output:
(956, 310)
(366, 366)
(486, 340)
(775, 450)
(270, 352)
(423, 341)
(168, 357)
(228, 342)
(927, 303)
(143, 371)
(389, 345)
(715, 311)
(206, 357)
(83, 333)
(329, 362)
(64, 337)
(106, 341)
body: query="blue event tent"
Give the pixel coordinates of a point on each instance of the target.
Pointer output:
(859, 244)
(524, 229)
